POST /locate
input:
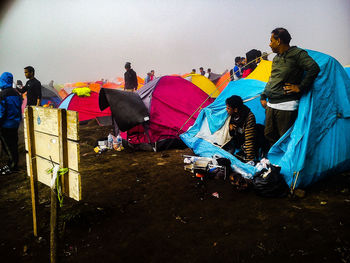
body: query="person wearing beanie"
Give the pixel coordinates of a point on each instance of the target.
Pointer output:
(242, 129)
(10, 118)
(130, 78)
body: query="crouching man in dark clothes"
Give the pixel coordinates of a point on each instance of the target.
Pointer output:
(10, 118)
(242, 129)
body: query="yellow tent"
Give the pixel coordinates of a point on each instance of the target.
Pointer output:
(262, 71)
(203, 83)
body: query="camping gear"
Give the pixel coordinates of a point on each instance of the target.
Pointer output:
(87, 107)
(49, 95)
(347, 70)
(157, 113)
(239, 183)
(270, 182)
(262, 71)
(317, 134)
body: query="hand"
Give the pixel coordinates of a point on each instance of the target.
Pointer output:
(263, 103)
(232, 127)
(291, 88)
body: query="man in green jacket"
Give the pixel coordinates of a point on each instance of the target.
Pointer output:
(293, 72)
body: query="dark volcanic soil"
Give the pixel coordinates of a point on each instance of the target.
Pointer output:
(143, 207)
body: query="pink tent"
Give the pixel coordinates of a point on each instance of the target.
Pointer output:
(167, 102)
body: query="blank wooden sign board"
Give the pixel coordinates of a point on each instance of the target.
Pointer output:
(44, 132)
(52, 138)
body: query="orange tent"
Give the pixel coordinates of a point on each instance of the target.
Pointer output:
(95, 87)
(112, 85)
(223, 81)
(80, 84)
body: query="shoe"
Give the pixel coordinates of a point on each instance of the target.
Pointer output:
(5, 170)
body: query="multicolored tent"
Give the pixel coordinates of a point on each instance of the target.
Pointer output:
(203, 83)
(87, 107)
(158, 112)
(315, 146)
(50, 96)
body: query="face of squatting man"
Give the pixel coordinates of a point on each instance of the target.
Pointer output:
(231, 111)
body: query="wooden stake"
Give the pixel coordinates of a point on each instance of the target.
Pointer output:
(53, 227)
(32, 165)
(62, 137)
(63, 146)
(291, 185)
(296, 179)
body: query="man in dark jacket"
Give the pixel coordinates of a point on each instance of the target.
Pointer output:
(293, 73)
(130, 78)
(32, 87)
(10, 118)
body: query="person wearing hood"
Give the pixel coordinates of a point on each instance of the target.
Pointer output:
(32, 87)
(242, 128)
(10, 118)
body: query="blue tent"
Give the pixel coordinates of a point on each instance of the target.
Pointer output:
(347, 69)
(316, 145)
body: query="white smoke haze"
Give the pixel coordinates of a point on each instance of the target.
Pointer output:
(76, 40)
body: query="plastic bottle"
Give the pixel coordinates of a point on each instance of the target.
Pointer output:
(110, 141)
(119, 140)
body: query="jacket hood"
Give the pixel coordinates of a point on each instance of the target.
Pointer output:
(6, 80)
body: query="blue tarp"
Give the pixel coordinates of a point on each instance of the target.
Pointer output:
(347, 69)
(316, 145)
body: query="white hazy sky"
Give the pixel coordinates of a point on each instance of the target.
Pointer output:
(86, 40)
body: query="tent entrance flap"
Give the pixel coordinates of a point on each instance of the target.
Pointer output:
(128, 110)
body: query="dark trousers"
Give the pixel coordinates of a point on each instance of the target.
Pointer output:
(9, 140)
(277, 122)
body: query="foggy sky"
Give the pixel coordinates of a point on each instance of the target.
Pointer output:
(86, 40)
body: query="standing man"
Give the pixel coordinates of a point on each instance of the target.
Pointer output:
(201, 71)
(152, 74)
(32, 87)
(130, 78)
(293, 73)
(208, 73)
(10, 118)
(148, 77)
(236, 72)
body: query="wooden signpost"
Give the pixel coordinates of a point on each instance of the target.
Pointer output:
(52, 138)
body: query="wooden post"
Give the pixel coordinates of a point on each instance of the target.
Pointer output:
(32, 165)
(62, 137)
(53, 226)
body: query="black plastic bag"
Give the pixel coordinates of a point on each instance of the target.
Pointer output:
(270, 182)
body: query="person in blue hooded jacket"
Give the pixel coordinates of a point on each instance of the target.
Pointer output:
(10, 118)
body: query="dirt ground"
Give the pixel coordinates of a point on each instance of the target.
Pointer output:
(143, 207)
